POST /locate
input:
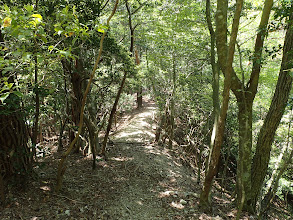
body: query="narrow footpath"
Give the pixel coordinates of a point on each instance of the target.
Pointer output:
(149, 183)
(139, 181)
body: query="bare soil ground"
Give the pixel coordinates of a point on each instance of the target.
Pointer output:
(139, 181)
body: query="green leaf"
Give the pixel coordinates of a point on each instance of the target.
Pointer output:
(64, 53)
(18, 93)
(73, 41)
(102, 28)
(9, 85)
(4, 96)
(37, 16)
(50, 48)
(6, 8)
(29, 8)
(44, 39)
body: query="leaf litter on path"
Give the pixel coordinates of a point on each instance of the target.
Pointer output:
(140, 181)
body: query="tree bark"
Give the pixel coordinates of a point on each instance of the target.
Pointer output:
(139, 92)
(62, 163)
(75, 72)
(15, 155)
(112, 114)
(244, 94)
(216, 76)
(244, 151)
(215, 154)
(132, 29)
(273, 118)
(37, 108)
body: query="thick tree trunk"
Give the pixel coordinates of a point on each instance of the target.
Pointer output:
(243, 93)
(15, 156)
(273, 118)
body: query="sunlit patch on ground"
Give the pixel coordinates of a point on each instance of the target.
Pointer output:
(45, 188)
(166, 194)
(122, 158)
(130, 132)
(177, 205)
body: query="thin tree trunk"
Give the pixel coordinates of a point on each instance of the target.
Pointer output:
(139, 97)
(139, 92)
(111, 117)
(215, 69)
(132, 29)
(93, 136)
(37, 108)
(2, 189)
(273, 189)
(37, 97)
(172, 105)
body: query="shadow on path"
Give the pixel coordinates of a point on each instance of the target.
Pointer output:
(149, 183)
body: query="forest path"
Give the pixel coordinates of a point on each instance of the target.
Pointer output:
(139, 181)
(149, 182)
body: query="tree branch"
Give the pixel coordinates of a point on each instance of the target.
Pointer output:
(258, 48)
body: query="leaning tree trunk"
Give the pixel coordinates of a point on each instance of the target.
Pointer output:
(215, 70)
(216, 151)
(111, 117)
(274, 116)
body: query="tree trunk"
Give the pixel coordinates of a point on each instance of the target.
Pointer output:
(75, 72)
(132, 29)
(103, 150)
(215, 69)
(172, 103)
(216, 151)
(15, 156)
(139, 92)
(37, 109)
(273, 118)
(244, 152)
(62, 163)
(273, 189)
(139, 97)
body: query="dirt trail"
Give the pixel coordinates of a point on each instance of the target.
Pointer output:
(150, 183)
(139, 181)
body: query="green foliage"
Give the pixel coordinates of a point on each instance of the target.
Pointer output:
(283, 10)
(170, 37)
